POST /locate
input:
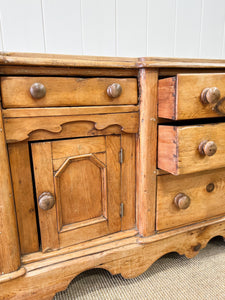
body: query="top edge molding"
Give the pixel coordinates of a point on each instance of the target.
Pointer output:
(56, 60)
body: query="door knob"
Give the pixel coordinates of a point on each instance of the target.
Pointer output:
(37, 90)
(208, 148)
(46, 201)
(114, 90)
(182, 201)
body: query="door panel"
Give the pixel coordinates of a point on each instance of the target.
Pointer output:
(43, 172)
(86, 177)
(83, 175)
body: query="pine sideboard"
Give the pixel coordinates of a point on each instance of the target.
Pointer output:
(106, 163)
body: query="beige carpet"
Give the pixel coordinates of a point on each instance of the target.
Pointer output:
(171, 277)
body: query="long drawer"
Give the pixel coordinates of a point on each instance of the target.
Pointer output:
(191, 96)
(56, 91)
(187, 149)
(186, 199)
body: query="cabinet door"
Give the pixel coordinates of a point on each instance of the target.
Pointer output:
(78, 185)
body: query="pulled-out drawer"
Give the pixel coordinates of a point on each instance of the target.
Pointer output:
(191, 96)
(56, 91)
(188, 149)
(187, 199)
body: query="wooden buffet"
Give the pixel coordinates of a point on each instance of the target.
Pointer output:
(106, 163)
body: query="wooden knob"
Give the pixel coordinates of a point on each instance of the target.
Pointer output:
(210, 95)
(37, 90)
(208, 148)
(114, 90)
(46, 201)
(182, 201)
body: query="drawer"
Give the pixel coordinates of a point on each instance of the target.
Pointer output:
(187, 149)
(182, 97)
(55, 91)
(187, 199)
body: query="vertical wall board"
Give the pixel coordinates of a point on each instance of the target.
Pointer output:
(135, 28)
(131, 26)
(188, 28)
(98, 27)
(161, 27)
(22, 28)
(62, 26)
(1, 40)
(212, 29)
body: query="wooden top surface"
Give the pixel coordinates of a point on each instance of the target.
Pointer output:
(40, 59)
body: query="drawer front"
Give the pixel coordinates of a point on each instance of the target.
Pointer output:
(186, 199)
(50, 91)
(180, 98)
(187, 149)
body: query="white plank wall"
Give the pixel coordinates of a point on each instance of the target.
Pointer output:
(172, 28)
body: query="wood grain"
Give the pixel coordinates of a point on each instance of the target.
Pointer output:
(9, 242)
(67, 71)
(41, 59)
(42, 164)
(167, 98)
(204, 205)
(17, 129)
(66, 91)
(24, 198)
(87, 199)
(146, 164)
(128, 181)
(34, 257)
(179, 97)
(48, 60)
(178, 148)
(114, 185)
(128, 257)
(67, 111)
(75, 147)
(80, 179)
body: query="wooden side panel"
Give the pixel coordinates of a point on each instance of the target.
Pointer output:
(167, 98)
(23, 195)
(204, 204)
(128, 181)
(167, 149)
(66, 91)
(9, 242)
(146, 164)
(42, 162)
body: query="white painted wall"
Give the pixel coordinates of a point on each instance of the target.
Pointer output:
(172, 28)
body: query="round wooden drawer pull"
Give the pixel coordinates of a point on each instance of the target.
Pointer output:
(37, 90)
(210, 95)
(208, 148)
(114, 90)
(46, 201)
(182, 201)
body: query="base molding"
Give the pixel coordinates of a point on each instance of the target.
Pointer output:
(129, 257)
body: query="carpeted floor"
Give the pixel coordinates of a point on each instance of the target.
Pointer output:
(172, 277)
